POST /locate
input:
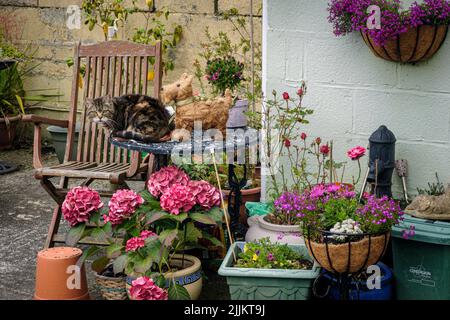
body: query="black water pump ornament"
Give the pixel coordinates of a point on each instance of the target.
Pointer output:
(381, 162)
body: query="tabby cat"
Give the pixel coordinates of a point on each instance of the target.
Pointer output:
(130, 116)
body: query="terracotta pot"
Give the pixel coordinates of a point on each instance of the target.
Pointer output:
(362, 253)
(55, 278)
(7, 131)
(415, 45)
(190, 276)
(248, 195)
(260, 228)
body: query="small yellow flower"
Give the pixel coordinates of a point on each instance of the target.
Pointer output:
(149, 3)
(255, 257)
(245, 248)
(151, 75)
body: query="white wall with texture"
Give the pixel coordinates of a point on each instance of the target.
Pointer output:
(353, 92)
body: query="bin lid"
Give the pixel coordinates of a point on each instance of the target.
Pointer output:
(431, 231)
(57, 129)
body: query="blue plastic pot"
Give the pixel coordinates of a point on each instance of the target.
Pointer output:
(384, 293)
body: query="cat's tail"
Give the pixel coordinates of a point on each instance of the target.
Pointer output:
(136, 136)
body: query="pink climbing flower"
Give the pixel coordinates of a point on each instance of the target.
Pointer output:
(80, 203)
(206, 195)
(143, 288)
(160, 181)
(178, 198)
(122, 205)
(356, 152)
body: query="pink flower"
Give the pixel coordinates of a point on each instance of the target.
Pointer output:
(143, 288)
(317, 191)
(318, 140)
(162, 180)
(285, 96)
(80, 203)
(138, 242)
(287, 143)
(324, 149)
(303, 136)
(356, 152)
(178, 198)
(206, 195)
(300, 92)
(332, 188)
(122, 205)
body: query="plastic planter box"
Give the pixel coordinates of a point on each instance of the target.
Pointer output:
(422, 263)
(267, 284)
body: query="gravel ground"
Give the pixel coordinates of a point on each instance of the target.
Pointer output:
(25, 212)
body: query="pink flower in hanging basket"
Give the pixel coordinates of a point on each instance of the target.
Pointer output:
(138, 242)
(356, 152)
(143, 288)
(122, 205)
(162, 180)
(178, 198)
(80, 203)
(206, 195)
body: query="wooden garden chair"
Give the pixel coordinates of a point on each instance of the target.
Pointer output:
(114, 67)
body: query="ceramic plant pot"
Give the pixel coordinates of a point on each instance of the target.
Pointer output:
(248, 195)
(58, 277)
(349, 257)
(236, 115)
(189, 275)
(260, 228)
(416, 45)
(59, 139)
(7, 131)
(267, 284)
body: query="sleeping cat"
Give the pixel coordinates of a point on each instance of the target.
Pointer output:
(131, 116)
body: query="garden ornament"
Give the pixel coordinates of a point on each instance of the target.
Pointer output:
(401, 167)
(431, 207)
(213, 113)
(381, 161)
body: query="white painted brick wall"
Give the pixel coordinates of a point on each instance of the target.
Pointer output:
(353, 92)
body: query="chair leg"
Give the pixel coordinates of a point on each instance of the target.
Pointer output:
(53, 228)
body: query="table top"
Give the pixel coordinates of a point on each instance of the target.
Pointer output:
(237, 141)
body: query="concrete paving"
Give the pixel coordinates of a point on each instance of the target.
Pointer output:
(25, 213)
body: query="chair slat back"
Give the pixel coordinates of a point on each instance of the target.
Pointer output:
(115, 68)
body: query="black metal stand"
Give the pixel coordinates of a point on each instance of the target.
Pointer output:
(6, 167)
(235, 200)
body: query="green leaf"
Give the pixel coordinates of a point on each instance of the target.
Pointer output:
(180, 218)
(143, 265)
(192, 233)
(113, 250)
(177, 292)
(214, 240)
(95, 218)
(86, 254)
(99, 234)
(150, 200)
(202, 218)
(215, 213)
(153, 216)
(75, 234)
(120, 263)
(100, 264)
(168, 236)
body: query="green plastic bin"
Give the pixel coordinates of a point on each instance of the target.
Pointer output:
(422, 263)
(267, 284)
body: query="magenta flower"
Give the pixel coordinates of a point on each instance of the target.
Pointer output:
(270, 257)
(285, 96)
(163, 179)
(143, 288)
(80, 203)
(356, 152)
(205, 194)
(138, 242)
(178, 198)
(122, 205)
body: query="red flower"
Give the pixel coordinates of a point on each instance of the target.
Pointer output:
(285, 96)
(303, 136)
(300, 92)
(318, 140)
(287, 143)
(356, 152)
(325, 149)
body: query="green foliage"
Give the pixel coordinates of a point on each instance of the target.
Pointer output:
(338, 210)
(11, 91)
(434, 188)
(224, 73)
(266, 255)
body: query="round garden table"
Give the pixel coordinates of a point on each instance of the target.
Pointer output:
(238, 141)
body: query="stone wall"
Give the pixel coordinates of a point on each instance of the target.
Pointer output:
(353, 92)
(44, 26)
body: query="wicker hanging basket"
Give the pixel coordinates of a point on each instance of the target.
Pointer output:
(112, 288)
(416, 45)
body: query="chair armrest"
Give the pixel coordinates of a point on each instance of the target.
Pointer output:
(38, 120)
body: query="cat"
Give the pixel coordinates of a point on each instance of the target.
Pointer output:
(131, 116)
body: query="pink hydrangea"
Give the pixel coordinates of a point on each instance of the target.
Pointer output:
(143, 288)
(178, 198)
(138, 242)
(122, 205)
(80, 203)
(356, 152)
(206, 195)
(163, 179)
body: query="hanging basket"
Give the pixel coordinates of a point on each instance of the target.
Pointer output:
(416, 45)
(351, 257)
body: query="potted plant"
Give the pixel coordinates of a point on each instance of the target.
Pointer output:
(268, 271)
(396, 35)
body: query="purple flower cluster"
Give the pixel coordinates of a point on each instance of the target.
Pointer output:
(351, 15)
(379, 214)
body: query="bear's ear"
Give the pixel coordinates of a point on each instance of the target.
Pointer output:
(184, 76)
(189, 79)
